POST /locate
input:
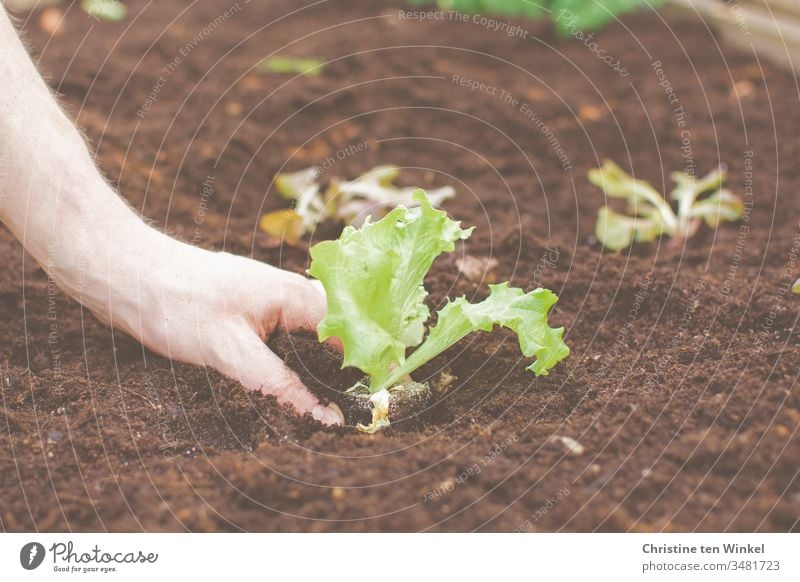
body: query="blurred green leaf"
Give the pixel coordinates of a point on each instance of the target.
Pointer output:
(574, 15)
(109, 10)
(722, 206)
(371, 194)
(309, 67)
(569, 16)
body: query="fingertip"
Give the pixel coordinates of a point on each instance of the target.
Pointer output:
(330, 415)
(335, 343)
(261, 370)
(295, 393)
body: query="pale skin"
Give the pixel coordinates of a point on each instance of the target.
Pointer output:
(191, 305)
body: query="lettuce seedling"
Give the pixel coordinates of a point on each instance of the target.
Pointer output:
(651, 216)
(373, 277)
(373, 193)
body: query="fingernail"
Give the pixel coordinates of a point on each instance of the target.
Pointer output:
(329, 415)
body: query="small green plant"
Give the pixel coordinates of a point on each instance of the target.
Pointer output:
(308, 67)
(796, 287)
(373, 193)
(651, 216)
(110, 10)
(568, 15)
(373, 277)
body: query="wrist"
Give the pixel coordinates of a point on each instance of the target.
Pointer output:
(99, 251)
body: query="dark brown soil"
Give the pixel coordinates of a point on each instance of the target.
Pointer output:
(320, 368)
(681, 390)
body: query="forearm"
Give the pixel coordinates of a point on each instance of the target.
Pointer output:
(54, 199)
(45, 161)
(51, 185)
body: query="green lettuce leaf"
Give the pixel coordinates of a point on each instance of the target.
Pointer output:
(297, 185)
(510, 307)
(713, 209)
(721, 206)
(643, 199)
(617, 231)
(373, 277)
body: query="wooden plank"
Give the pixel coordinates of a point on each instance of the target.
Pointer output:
(789, 8)
(751, 26)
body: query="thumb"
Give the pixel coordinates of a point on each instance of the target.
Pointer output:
(303, 305)
(305, 308)
(254, 365)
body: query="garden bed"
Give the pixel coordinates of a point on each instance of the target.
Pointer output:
(677, 408)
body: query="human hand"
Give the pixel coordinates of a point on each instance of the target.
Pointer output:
(204, 308)
(218, 309)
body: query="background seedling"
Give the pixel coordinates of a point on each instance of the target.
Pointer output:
(373, 193)
(650, 215)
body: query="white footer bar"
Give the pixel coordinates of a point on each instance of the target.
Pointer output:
(401, 557)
